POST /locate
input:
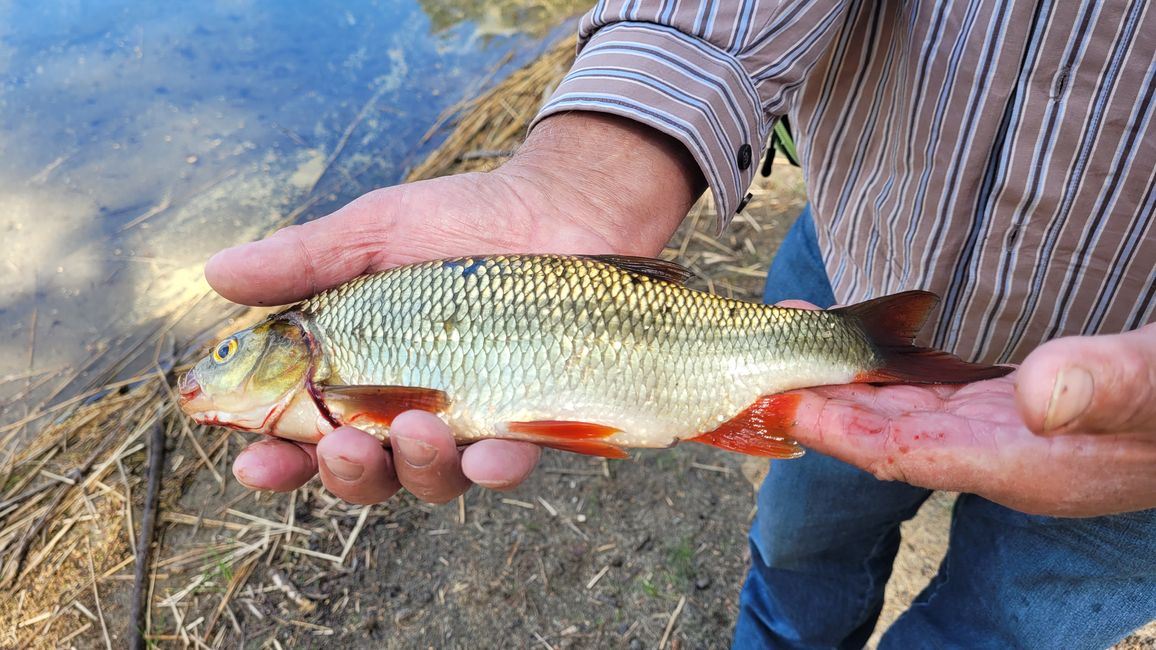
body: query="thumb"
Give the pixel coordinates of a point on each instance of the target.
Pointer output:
(1090, 384)
(299, 261)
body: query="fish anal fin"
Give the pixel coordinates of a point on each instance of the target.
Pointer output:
(892, 323)
(379, 405)
(579, 437)
(649, 266)
(760, 430)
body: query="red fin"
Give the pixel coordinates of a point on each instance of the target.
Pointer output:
(379, 405)
(562, 429)
(648, 266)
(579, 437)
(588, 447)
(892, 323)
(759, 429)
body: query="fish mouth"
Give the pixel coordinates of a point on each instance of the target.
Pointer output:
(188, 387)
(193, 401)
(204, 409)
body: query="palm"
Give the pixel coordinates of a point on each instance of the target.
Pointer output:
(968, 438)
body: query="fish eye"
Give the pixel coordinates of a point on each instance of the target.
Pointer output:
(224, 350)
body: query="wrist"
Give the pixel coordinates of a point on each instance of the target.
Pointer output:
(606, 178)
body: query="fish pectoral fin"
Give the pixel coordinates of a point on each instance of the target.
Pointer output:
(579, 437)
(649, 266)
(758, 430)
(379, 405)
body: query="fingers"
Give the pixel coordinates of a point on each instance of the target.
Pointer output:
(1092, 384)
(426, 457)
(426, 461)
(298, 261)
(276, 465)
(355, 467)
(500, 464)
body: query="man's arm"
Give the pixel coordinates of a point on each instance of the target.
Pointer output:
(711, 75)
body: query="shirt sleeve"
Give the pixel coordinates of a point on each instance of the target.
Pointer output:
(713, 74)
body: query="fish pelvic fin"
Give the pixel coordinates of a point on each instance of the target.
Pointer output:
(578, 437)
(760, 430)
(892, 323)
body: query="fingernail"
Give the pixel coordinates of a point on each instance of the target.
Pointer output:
(344, 468)
(415, 453)
(1071, 396)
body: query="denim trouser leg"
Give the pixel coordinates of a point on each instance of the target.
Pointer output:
(1012, 580)
(826, 534)
(797, 270)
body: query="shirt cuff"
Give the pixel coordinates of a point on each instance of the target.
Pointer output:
(681, 85)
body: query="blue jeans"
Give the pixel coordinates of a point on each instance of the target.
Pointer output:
(827, 533)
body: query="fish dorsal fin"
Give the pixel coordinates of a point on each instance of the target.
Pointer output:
(379, 405)
(651, 267)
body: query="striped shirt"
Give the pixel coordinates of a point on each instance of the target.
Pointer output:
(999, 153)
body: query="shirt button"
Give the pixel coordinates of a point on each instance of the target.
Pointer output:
(744, 157)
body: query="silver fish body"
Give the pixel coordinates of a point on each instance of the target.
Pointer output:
(610, 341)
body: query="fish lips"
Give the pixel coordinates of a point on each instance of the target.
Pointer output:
(188, 387)
(201, 406)
(192, 399)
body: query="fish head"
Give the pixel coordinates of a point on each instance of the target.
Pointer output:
(249, 379)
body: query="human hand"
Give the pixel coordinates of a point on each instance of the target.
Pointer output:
(1071, 433)
(582, 183)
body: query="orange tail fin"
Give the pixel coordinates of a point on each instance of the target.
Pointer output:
(892, 323)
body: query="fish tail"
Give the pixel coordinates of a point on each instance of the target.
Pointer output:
(891, 323)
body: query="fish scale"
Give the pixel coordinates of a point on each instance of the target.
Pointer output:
(521, 338)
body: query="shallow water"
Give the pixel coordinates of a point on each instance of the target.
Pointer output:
(138, 138)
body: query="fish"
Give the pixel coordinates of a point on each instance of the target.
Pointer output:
(590, 354)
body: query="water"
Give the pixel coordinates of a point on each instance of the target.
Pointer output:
(138, 138)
